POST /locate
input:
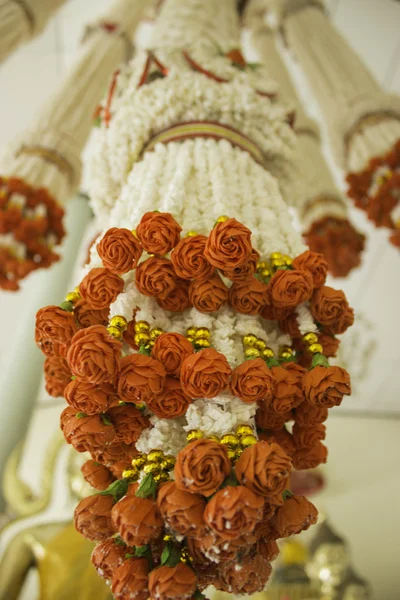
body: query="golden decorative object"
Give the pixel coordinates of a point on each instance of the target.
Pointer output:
(167, 537)
(190, 339)
(140, 405)
(131, 474)
(213, 438)
(161, 477)
(202, 332)
(238, 452)
(134, 233)
(310, 338)
(268, 353)
(194, 434)
(155, 455)
(278, 262)
(315, 349)
(286, 355)
(191, 233)
(252, 353)
(288, 260)
(152, 467)
(139, 461)
(141, 339)
(202, 343)
(155, 333)
(244, 430)
(262, 265)
(168, 463)
(115, 332)
(231, 453)
(191, 332)
(250, 340)
(285, 350)
(276, 255)
(120, 322)
(222, 219)
(72, 297)
(142, 326)
(248, 440)
(266, 273)
(229, 439)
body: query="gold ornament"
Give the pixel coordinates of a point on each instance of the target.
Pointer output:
(131, 474)
(72, 297)
(242, 430)
(231, 453)
(134, 233)
(250, 340)
(288, 260)
(191, 332)
(229, 439)
(252, 353)
(142, 326)
(191, 233)
(265, 273)
(268, 353)
(202, 343)
(141, 339)
(285, 350)
(161, 477)
(286, 355)
(213, 438)
(262, 265)
(248, 440)
(167, 538)
(155, 333)
(202, 332)
(260, 344)
(238, 452)
(276, 255)
(194, 434)
(222, 219)
(310, 338)
(155, 455)
(152, 467)
(139, 461)
(119, 322)
(185, 555)
(139, 405)
(315, 349)
(115, 332)
(168, 463)
(190, 339)
(150, 345)
(278, 262)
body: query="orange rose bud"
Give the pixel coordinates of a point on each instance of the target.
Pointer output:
(266, 418)
(89, 398)
(137, 520)
(49, 347)
(178, 299)
(158, 232)
(273, 313)
(313, 263)
(252, 381)
(92, 518)
(296, 369)
(94, 355)
(130, 580)
(208, 295)
(172, 583)
(308, 436)
(249, 296)
(228, 245)
(170, 350)
(201, 467)
(245, 270)
(155, 277)
(97, 475)
(181, 510)
(251, 577)
(117, 457)
(87, 433)
(233, 512)
(140, 377)
(330, 308)
(128, 423)
(268, 549)
(287, 391)
(189, 260)
(288, 289)
(295, 516)
(264, 468)
(290, 326)
(57, 375)
(326, 386)
(56, 324)
(107, 557)
(205, 374)
(281, 437)
(100, 288)
(329, 344)
(171, 403)
(87, 316)
(310, 458)
(215, 548)
(119, 250)
(309, 415)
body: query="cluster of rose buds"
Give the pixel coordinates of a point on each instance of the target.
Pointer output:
(169, 526)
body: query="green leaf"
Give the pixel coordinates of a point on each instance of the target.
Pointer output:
(117, 489)
(199, 596)
(81, 415)
(119, 541)
(105, 419)
(142, 550)
(170, 556)
(144, 350)
(231, 480)
(68, 306)
(287, 494)
(272, 362)
(319, 360)
(147, 488)
(97, 122)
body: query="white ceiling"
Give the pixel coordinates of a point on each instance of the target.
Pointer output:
(372, 27)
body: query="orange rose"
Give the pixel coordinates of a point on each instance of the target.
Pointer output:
(288, 289)
(326, 386)
(251, 577)
(295, 516)
(296, 370)
(290, 326)
(273, 313)
(310, 458)
(189, 260)
(205, 374)
(140, 377)
(171, 403)
(89, 398)
(181, 510)
(330, 308)
(158, 232)
(201, 467)
(287, 392)
(215, 548)
(49, 347)
(245, 270)
(308, 436)
(329, 344)
(92, 518)
(249, 296)
(170, 350)
(108, 556)
(119, 250)
(155, 277)
(130, 580)
(172, 583)
(137, 520)
(97, 475)
(87, 316)
(268, 550)
(115, 457)
(94, 355)
(129, 334)
(309, 415)
(178, 299)
(252, 381)
(208, 295)
(87, 433)
(264, 468)
(228, 245)
(281, 437)
(266, 418)
(128, 422)
(57, 376)
(234, 512)
(313, 263)
(100, 288)
(56, 324)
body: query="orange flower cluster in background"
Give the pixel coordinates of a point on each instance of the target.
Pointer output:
(228, 501)
(31, 222)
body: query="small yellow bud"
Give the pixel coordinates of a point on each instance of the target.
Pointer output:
(244, 430)
(276, 255)
(120, 322)
(262, 265)
(248, 440)
(194, 434)
(222, 219)
(285, 350)
(115, 332)
(202, 332)
(229, 439)
(131, 474)
(191, 233)
(213, 438)
(278, 262)
(265, 273)
(155, 455)
(139, 461)
(168, 463)
(190, 339)
(151, 467)
(72, 297)
(155, 333)
(250, 340)
(286, 355)
(134, 233)
(316, 349)
(260, 344)
(231, 453)
(142, 326)
(191, 331)
(161, 477)
(202, 343)
(310, 338)
(252, 353)
(268, 353)
(141, 339)
(288, 260)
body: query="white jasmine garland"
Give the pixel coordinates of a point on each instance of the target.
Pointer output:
(305, 319)
(167, 434)
(219, 415)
